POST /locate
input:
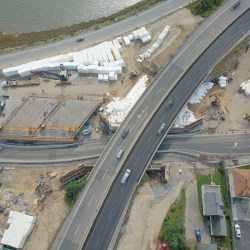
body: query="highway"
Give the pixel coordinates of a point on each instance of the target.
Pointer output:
(107, 219)
(76, 226)
(238, 144)
(69, 45)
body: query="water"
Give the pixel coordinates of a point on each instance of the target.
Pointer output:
(20, 16)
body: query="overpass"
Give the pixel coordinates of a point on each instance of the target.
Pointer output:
(143, 121)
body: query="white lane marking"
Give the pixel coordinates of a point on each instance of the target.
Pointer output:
(235, 144)
(172, 73)
(186, 57)
(199, 44)
(158, 91)
(162, 118)
(149, 138)
(136, 161)
(144, 110)
(110, 212)
(76, 230)
(97, 243)
(105, 173)
(211, 31)
(90, 200)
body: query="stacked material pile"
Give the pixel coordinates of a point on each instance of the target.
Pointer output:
(185, 117)
(201, 92)
(222, 81)
(104, 58)
(118, 109)
(21, 225)
(245, 86)
(155, 46)
(141, 34)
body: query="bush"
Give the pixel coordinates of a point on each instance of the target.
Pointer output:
(73, 189)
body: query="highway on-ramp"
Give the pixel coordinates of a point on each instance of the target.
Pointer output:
(76, 227)
(148, 142)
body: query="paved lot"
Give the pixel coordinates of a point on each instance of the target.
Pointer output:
(244, 242)
(193, 216)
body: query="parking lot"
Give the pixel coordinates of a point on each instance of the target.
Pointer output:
(244, 242)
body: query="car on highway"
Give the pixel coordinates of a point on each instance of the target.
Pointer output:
(197, 234)
(161, 128)
(119, 154)
(125, 176)
(80, 39)
(169, 104)
(237, 231)
(236, 5)
(125, 133)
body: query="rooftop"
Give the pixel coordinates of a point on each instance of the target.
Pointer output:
(241, 179)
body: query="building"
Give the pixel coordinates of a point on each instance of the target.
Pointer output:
(213, 208)
(20, 226)
(239, 181)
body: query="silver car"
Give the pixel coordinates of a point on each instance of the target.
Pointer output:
(237, 230)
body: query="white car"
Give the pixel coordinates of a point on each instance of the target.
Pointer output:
(237, 230)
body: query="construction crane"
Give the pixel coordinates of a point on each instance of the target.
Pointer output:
(62, 76)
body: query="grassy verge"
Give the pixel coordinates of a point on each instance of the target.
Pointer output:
(10, 42)
(144, 179)
(173, 229)
(245, 167)
(219, 179)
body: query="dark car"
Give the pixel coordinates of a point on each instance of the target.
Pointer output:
(125, 133)
(169, 104)
(198, 234)
(236, 5)
(80, 39)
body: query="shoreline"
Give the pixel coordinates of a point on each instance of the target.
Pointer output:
(12, 42)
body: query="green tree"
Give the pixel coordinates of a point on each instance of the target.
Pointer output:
(73, 189)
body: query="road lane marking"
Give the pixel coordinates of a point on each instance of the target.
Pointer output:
(136, 161)
(90, 200)
(105, 173)
(185, 58)
(149, 138)
(199, 44)
(97, 242)
(158, 91)
(110, 212)
(76, 230)
(211, 31)
(172, 73)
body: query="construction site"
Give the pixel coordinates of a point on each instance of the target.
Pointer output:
(63, 105)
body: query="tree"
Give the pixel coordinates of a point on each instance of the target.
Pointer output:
(73, 189)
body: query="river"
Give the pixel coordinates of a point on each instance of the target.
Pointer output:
(21, 16)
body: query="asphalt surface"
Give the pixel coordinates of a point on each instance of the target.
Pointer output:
(148, 142)
(238, 144)
(96, 36)
(244, 242)
(76, 227)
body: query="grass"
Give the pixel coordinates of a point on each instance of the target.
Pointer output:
(219, 179)
(144, 179)
(245, 167)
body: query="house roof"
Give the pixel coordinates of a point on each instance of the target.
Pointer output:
(203, 246)
(241, 179)
(213, 204)
(218, 225)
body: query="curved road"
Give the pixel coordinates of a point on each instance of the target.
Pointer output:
(76, 227)
(105, 224)
(215, 144)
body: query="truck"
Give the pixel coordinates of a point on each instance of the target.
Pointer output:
(20, 83)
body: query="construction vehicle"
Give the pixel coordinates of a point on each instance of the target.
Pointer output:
(20, 83)
(133, 74)
(216, 101)
(62, 76)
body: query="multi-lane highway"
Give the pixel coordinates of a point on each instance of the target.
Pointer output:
(77, 225)
(96, 36)
(148, 142)
(238, 144)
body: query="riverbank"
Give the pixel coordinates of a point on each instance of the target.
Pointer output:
(12, 42)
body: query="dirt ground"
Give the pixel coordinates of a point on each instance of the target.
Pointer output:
(18, 181)
(233, 104)
(152, 203)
